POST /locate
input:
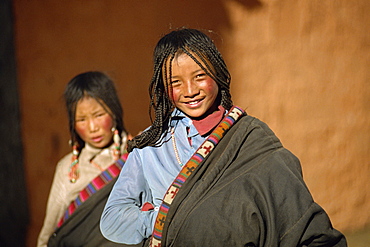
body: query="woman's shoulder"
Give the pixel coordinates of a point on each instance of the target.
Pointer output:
(65, 161)
(253, 123)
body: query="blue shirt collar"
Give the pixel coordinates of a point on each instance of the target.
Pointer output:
(178, 115)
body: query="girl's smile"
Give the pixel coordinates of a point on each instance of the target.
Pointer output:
(191, 89)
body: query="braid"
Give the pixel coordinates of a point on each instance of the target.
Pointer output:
(160, 103)
(202, 50)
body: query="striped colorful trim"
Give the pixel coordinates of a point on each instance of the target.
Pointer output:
(208, 145)
(95, 185)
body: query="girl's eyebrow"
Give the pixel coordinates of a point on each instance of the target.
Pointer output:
(99, 111)
(194, 72)
(80, 116)
(198, 70)
(93, 112)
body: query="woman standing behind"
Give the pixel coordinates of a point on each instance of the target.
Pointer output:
(99, 142)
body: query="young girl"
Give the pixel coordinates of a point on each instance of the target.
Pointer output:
(99, 141)
(205, 173)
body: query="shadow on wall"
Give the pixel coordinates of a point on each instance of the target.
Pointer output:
(13, 210)
(251, 4)
(360, 238)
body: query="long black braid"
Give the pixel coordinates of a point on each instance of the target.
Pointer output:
(202, 50)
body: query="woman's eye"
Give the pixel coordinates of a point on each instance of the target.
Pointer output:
(80, 119)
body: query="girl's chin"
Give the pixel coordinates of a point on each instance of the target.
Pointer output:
(196, 116)
(99, 145)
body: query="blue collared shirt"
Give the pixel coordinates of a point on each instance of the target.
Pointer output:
(145, 177)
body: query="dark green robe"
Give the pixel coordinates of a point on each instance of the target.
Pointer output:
(82, 227)
(248, 192)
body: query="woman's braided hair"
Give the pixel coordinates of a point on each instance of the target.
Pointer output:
(202, 50)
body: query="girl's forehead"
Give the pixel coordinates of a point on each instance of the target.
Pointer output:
(178, 56)
(203, 62)
(88, 103)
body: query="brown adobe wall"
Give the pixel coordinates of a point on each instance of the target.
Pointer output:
(300, 66)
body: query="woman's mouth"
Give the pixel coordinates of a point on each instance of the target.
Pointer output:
(97, 139)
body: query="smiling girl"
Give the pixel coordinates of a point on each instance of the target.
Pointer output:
(205, 173)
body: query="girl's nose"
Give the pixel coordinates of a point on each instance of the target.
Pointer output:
(190, 89)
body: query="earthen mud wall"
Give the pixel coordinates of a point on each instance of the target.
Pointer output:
(300, 66)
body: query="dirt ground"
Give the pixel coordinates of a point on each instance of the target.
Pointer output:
(359, 238)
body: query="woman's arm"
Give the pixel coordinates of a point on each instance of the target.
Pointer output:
(55, 206)
(123, 220)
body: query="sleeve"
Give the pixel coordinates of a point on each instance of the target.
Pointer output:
(55, 206)
(122, 220)
(302, 222)
(316, 230)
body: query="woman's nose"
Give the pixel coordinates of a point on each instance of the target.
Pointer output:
(93, 126)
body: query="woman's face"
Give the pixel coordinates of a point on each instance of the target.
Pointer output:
(191, 89)
(93, 123)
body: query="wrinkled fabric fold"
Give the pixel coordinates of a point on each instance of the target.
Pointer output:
(248, 192)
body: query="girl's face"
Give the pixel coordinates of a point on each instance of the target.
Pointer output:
(191, 89)
(93, 123)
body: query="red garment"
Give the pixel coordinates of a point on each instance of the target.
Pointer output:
(208, 123)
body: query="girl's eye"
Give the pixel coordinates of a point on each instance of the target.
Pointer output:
(80, 119)
(100, 114)
(201, 75)
(175, 82)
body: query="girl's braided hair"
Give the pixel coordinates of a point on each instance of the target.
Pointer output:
(202, 50)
